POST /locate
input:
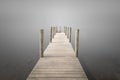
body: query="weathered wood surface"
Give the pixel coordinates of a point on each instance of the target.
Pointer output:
(59, 62)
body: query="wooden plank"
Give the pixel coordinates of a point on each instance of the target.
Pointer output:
(57, 79)
(58, 70)
(71, 75)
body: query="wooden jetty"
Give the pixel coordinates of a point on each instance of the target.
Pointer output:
(59, 61)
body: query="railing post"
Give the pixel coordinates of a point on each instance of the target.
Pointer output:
(56, 29)
(65, 30)
(51, 34)
(68, 33)
(70, 30)
(76, 42)
(41, 42)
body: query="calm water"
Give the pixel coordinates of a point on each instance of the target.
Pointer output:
(98, 64)
(98, 21)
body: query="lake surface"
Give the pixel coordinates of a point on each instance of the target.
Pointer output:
(98, 64)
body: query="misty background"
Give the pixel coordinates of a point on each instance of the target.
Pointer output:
(98, 21)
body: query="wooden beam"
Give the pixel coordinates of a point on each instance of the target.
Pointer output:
(51, 34)
(41, 42)
(70, 30)
(76, 42)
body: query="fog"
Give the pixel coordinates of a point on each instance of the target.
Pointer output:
(98, 21)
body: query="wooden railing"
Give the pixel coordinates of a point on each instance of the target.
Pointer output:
(53, 31)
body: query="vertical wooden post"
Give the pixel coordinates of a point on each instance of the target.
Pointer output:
(66, 30)
(70, 34)
(54, 32)
(41, 42)
(76, 42)
(51, 34)
(56, 29)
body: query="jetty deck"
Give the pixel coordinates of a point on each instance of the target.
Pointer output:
(59, 62)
